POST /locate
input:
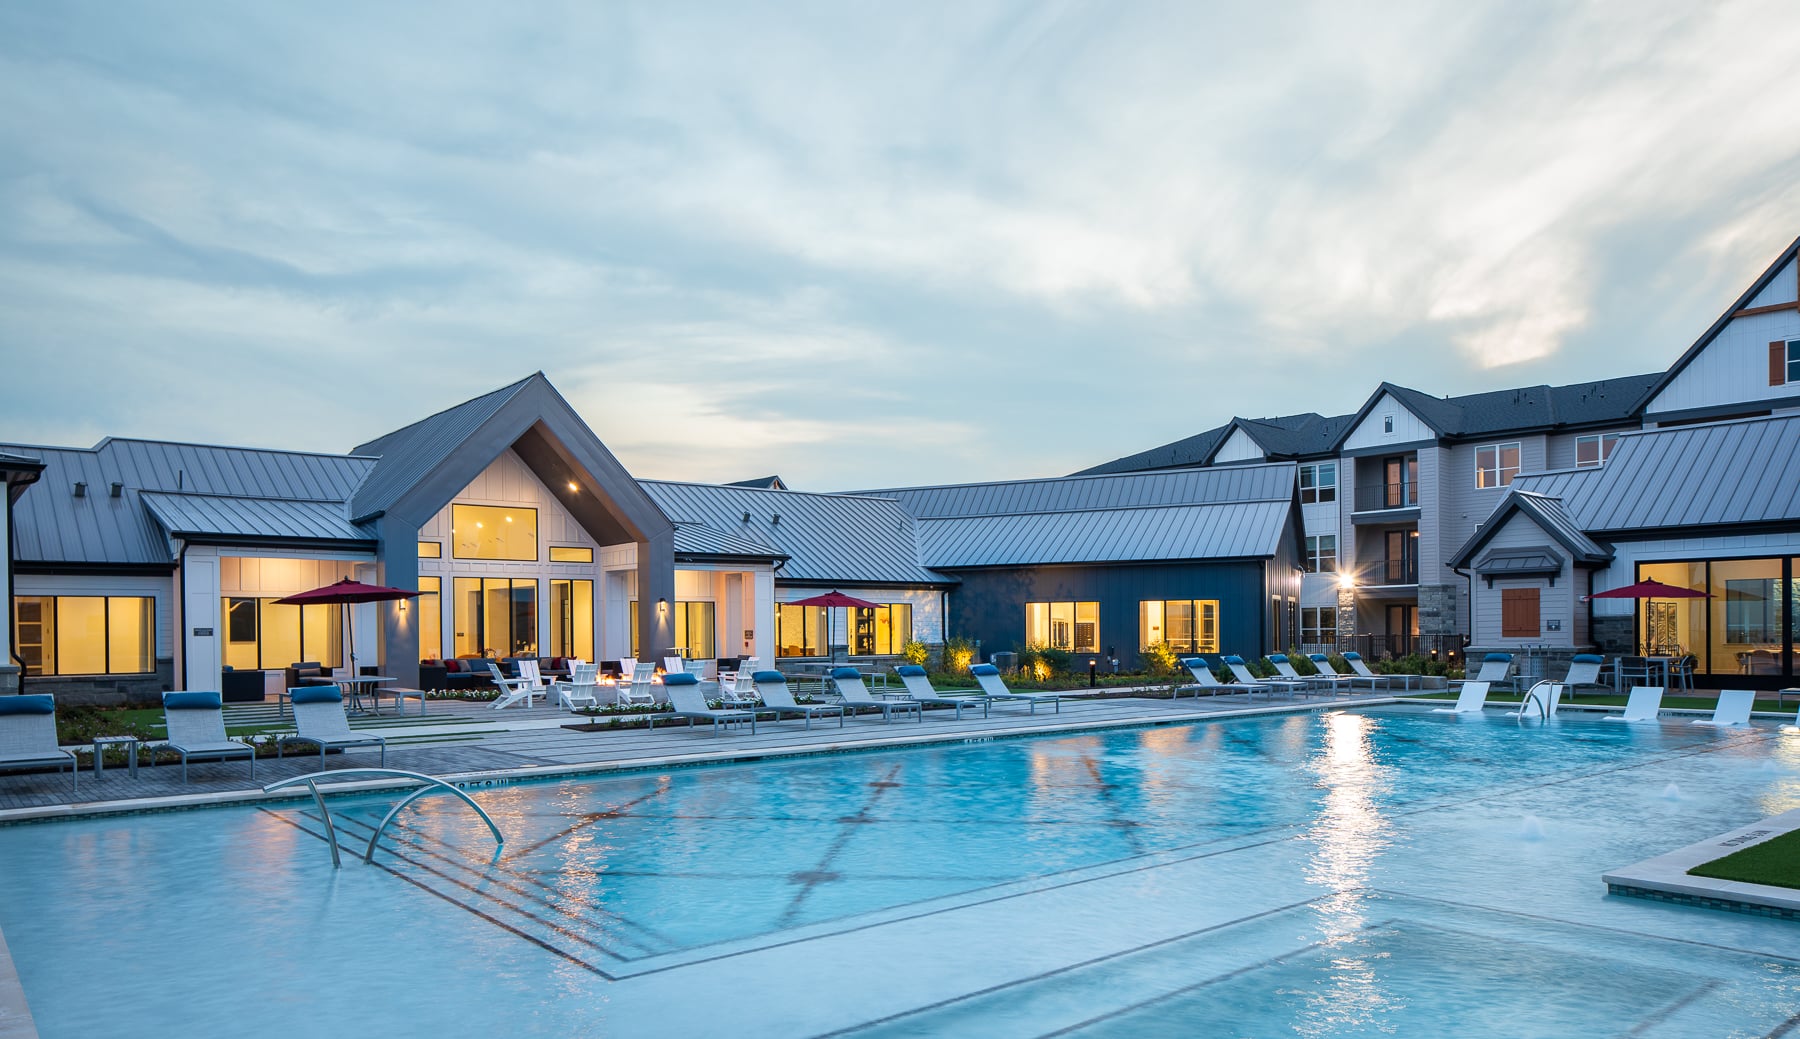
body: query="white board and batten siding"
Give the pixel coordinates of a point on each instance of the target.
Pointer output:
(1734, 367)
(1555, 603)
(1372, 430)
(1238, 447)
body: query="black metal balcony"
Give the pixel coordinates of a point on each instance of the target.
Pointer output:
(1398, 571)
(1374, 497)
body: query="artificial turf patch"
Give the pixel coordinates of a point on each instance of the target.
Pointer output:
(1775, 862)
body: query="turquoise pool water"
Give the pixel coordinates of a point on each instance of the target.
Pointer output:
(1381, 872)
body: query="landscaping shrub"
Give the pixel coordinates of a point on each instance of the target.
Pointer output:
(1417, 664)
(915, 652)
(959, 653)
(1160, 659)
(1300, 662)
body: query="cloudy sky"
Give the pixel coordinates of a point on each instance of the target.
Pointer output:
(865, 244)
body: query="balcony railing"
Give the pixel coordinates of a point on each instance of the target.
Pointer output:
(1399, 571)
(1438, 647)
(1372, 497)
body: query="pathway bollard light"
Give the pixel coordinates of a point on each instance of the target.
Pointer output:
(1092, 664)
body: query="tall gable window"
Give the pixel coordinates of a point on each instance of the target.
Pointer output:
(494, 532)
(1496, 464)
(1318, 483)
(1591, 451)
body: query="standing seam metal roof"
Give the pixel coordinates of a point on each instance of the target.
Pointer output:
(208, 515)
(408, 454)
(827, 537)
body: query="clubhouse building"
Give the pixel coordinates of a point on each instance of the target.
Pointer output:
(1414, 524)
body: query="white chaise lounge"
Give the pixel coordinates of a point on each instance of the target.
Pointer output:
(1733, 710)
(1471, 699)
(1644, 704)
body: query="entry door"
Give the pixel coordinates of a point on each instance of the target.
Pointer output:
(1402, 628)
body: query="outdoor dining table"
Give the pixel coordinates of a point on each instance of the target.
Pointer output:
(354, 686)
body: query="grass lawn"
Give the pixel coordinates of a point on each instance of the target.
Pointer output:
(1775, 862)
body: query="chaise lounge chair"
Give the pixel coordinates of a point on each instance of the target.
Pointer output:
(1363, 674)
(1643, 706)
(1733, 709)
(685, 701)
(319, 718)
(28, 735)
(1584, 670)
(1471, 699)
(196, 727)
(1204, 679)
(1308, 683)
(776, 696)
(1251, 683)
(918, 689)
(991, 685)
(1323, 663)
(854, 696)
(1496, 669)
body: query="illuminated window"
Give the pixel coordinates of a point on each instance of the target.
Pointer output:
(566, 554)
(431, 550)
(493, 532)
(799, 631)
(261, 634)
(1074, 626)
(495, 617)
(1496, 465)
(431, 617)
(85, 634)
(1186, 625)
(1318, 625)
(572, 618)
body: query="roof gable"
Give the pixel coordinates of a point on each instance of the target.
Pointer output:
(1750, 294)
(1547, 514)
(421, 467)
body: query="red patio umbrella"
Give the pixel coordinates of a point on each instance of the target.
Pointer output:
(831, 599)
(1650, 590)
(344, 593)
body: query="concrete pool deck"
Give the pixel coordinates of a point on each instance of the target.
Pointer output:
(472, 744)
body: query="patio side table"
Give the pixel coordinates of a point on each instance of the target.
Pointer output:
(101, 743)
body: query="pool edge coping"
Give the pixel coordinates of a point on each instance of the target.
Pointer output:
(15, 1012)
(1665, 877)
(719, 756)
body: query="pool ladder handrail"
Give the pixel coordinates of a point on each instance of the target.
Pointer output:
(1542, 704)
(430, 783)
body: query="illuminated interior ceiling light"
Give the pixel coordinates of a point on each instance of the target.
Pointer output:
(573, 486)
(509, 519)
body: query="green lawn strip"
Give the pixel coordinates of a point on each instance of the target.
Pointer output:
(1692, 703)
(1775, 862)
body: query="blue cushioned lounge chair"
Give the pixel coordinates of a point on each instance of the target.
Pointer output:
(686, 701)
(853, 695)
(918, 689)
(319, 717)
(196, 726)
(989, 677)
(776, 696)
(28, 735)
(1204, 679)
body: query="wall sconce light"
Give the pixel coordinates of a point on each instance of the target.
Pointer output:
(402, 605)
(662, 606)
(1346, 581)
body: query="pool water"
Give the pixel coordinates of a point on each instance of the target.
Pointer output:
(1336, 873)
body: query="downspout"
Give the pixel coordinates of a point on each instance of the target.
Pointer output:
(11, 576)
(1590, 609)
(179, 642)
(1470, 577)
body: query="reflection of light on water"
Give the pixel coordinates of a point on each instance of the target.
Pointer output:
(1783, 791)
(1347, 836)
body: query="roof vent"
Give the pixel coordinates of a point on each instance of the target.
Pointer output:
(80, 489)
(118, 489)
(746, 517)
(775, 520)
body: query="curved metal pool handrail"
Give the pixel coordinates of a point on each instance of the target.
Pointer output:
(1531, 699)
(431, 783)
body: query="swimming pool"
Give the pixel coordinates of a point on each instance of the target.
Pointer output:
(1384, 871)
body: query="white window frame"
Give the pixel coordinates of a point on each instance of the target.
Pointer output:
(1318, 488)
(1315, 554)
(1500, 474)
(1604, 443)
